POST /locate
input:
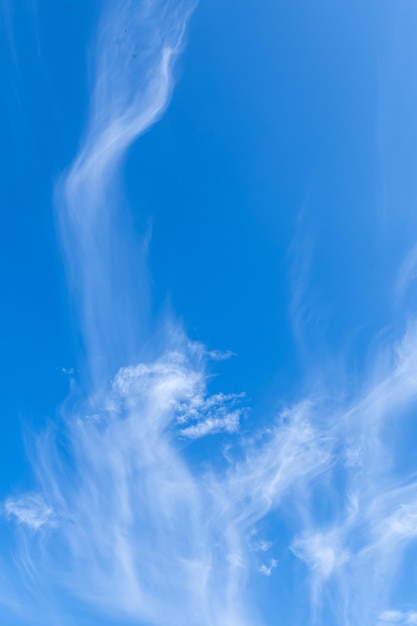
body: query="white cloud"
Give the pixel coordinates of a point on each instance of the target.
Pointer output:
(136, 520)
(217, 355)
(321, 552)
(213, 425)
(145, 533)
(261, 545)
(132, 80)
(401, 618)
(176, 384)
(266, 570)
(31, 511)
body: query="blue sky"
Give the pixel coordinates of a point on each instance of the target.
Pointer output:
(208, 322)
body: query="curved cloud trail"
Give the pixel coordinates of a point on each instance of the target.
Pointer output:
(137, 44)
(123, 525)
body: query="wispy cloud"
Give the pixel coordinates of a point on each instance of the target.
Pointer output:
(398, 617)
(149, 533)
(320, 552)
(213, 425)
(126, 520)
(30, 510)
(359, 552)
(266, 570)
(132, 64)
(144, 533)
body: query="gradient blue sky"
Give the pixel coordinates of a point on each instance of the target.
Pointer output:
(208, 269)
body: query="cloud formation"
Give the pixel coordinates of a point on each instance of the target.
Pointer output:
(144, 533)
(136, 46)
(398, 617)
(125, 519)
(29, 510)
(141, 529)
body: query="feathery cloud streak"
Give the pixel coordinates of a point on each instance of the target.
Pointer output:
(122, 518)
(136, 47)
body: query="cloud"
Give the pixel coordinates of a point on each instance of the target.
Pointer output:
(261, 545)
(146, 531)
(266, 570)
(146, 534)
(132, 70)
(356, 555)
(213, 425)
(321, 553)
(177, 383)
(31, 511)
(398, 617)
(218, 355)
